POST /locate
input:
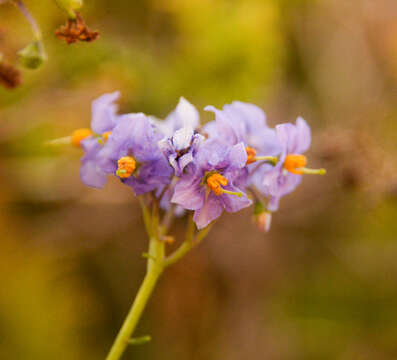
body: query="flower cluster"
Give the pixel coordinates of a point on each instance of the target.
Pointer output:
(228, 164)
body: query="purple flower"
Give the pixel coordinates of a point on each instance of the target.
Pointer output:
(104, 118)
(132, 153)
(181, 141)
(243, 122)
(214, 182)
(181, 148)
(285, 176)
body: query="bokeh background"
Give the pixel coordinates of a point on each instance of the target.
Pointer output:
(320, 285)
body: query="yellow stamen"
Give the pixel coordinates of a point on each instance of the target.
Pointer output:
(126, 166)
(294, 162)
(215, 183)
(106, 135)
(251, 154)
(79, 135)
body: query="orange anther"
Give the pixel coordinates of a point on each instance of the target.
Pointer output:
(294, 162)
(126, 166)
(251, 153)
(215, 181)
(106, 135)
(79, 135)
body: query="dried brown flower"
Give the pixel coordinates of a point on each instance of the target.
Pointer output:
(10, 77)
(76, 30)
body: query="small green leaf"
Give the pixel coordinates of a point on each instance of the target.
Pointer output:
(140, 340)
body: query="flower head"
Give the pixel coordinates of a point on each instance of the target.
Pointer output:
(285, 176)
(132, 153)
(182, 140)
(214, 183)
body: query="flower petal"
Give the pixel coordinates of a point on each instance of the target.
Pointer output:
(189, 193)
(211, 210)
(182, 137)
(234, 203)
(92, 175)
(304, 135)
(104, 112)
(185, 114)
(224, 129)
(237, 156)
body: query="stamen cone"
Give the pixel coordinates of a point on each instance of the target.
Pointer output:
(126, 166)
(294, 162)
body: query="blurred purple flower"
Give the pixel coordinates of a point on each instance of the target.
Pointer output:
(243, 122)
(285, 176)
(104, 118)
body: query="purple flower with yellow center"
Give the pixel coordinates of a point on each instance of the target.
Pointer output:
(132, 153)
(104, 119)
(214, 182)
(243, 122)
(285, 176)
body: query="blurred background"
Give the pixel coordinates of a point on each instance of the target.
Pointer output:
(320, 285)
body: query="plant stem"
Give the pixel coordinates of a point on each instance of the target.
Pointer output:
(187, 245)
(156, 264)
(155, 268)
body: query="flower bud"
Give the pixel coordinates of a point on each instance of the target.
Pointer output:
(70, 6)
(262, 217)
(32, 55)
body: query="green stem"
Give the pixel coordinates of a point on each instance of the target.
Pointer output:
(188, 244)
(155, 268)
(156, 264)
(146, 216)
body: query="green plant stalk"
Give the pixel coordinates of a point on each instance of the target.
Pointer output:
(157, 262)
(155, 268)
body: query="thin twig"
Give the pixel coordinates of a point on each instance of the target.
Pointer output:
(28, 16)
